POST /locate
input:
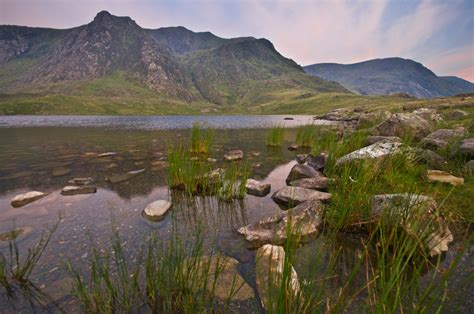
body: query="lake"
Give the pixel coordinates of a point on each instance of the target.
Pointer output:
(44, 152)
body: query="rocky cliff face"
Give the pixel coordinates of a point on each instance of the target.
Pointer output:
(171, 61)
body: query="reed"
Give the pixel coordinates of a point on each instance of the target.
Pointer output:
(306, 135)
(275, 136)
(201, 139)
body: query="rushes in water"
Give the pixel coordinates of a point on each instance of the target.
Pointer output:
(275, 136)
(201, 139)
(15, 271)
(306, 135)
(232, 185)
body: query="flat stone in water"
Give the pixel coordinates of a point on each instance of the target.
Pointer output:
(59, 172)
(234, 155)
(157, 209)
(74, 190)
(23, 199)
(124, 176)
(108, 154)
(257, 188)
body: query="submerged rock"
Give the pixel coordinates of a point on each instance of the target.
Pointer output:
(74, 190)
(257, 188)
(293, 147)
(221, 277)
(417, 215)
(444, 177)
(301, 172)
(270, 264)
(124, 176)
(234, 155)
(292, 196)
(305, 222)
(314, 183)
(59, 172)
(318, 163)
(377, 150)
(157, 209)
(403, 124)
(26, 198)
(81, 181)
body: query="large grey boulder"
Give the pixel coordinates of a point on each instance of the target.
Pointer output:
(305, 219)
(26, 198)
(377, 150)
(270, 265)
(417, 215)
(300, 172)
(157, 210)
(292, 196)
(442, 138)
(318, 163)
(315, 183)
(430, 115)
(457, 114)
(467, 147)
(426, 156)
(372, 118)
(257, 188)
(378, 138)
(403, 124)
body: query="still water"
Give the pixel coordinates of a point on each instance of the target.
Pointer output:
(43, 153)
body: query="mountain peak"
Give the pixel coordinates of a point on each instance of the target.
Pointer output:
(102, 15)
(107, 19)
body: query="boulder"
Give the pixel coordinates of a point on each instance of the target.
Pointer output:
(234, 155)
(301, 158)
(403, 124)
(315, 183)
(292, 196)
(220, 277)
(26, 198)
(442, 138)
(301, 172)
(444, 177)
(270, 265)
(156, 210)
(467, 148)
(470, 165)
(430, 115)
(417, 216)
(457, 115)
(257, 188)
(377, 150)
(318, 162)
(74, 190)
(81, 181)
(372, 118)
(305, 219)
(426, 156)
(378, 138)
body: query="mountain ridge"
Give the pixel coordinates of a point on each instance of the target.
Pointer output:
(385, 76)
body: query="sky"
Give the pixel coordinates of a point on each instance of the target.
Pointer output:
(437, 33)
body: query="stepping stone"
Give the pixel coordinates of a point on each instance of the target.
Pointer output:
(314, 183)
(26, 198)
(301, 172)
(318, 163)
(234, 155)
(156, 210)
(108, 154)
(75, 190)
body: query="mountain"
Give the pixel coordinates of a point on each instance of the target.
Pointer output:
(390, 76)
(113, 56)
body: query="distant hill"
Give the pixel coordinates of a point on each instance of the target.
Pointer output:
(390, 76)
(114, 57)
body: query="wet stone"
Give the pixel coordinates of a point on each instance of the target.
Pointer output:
(124, 176)
(23, 199)
(75, 190)
(108, 154)
(318, 162)
(293, 147)
(234, 155)
(292, 196)
(314, 183)
(156, 210)
(257, 188)
(301, 172)
(301, 158)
